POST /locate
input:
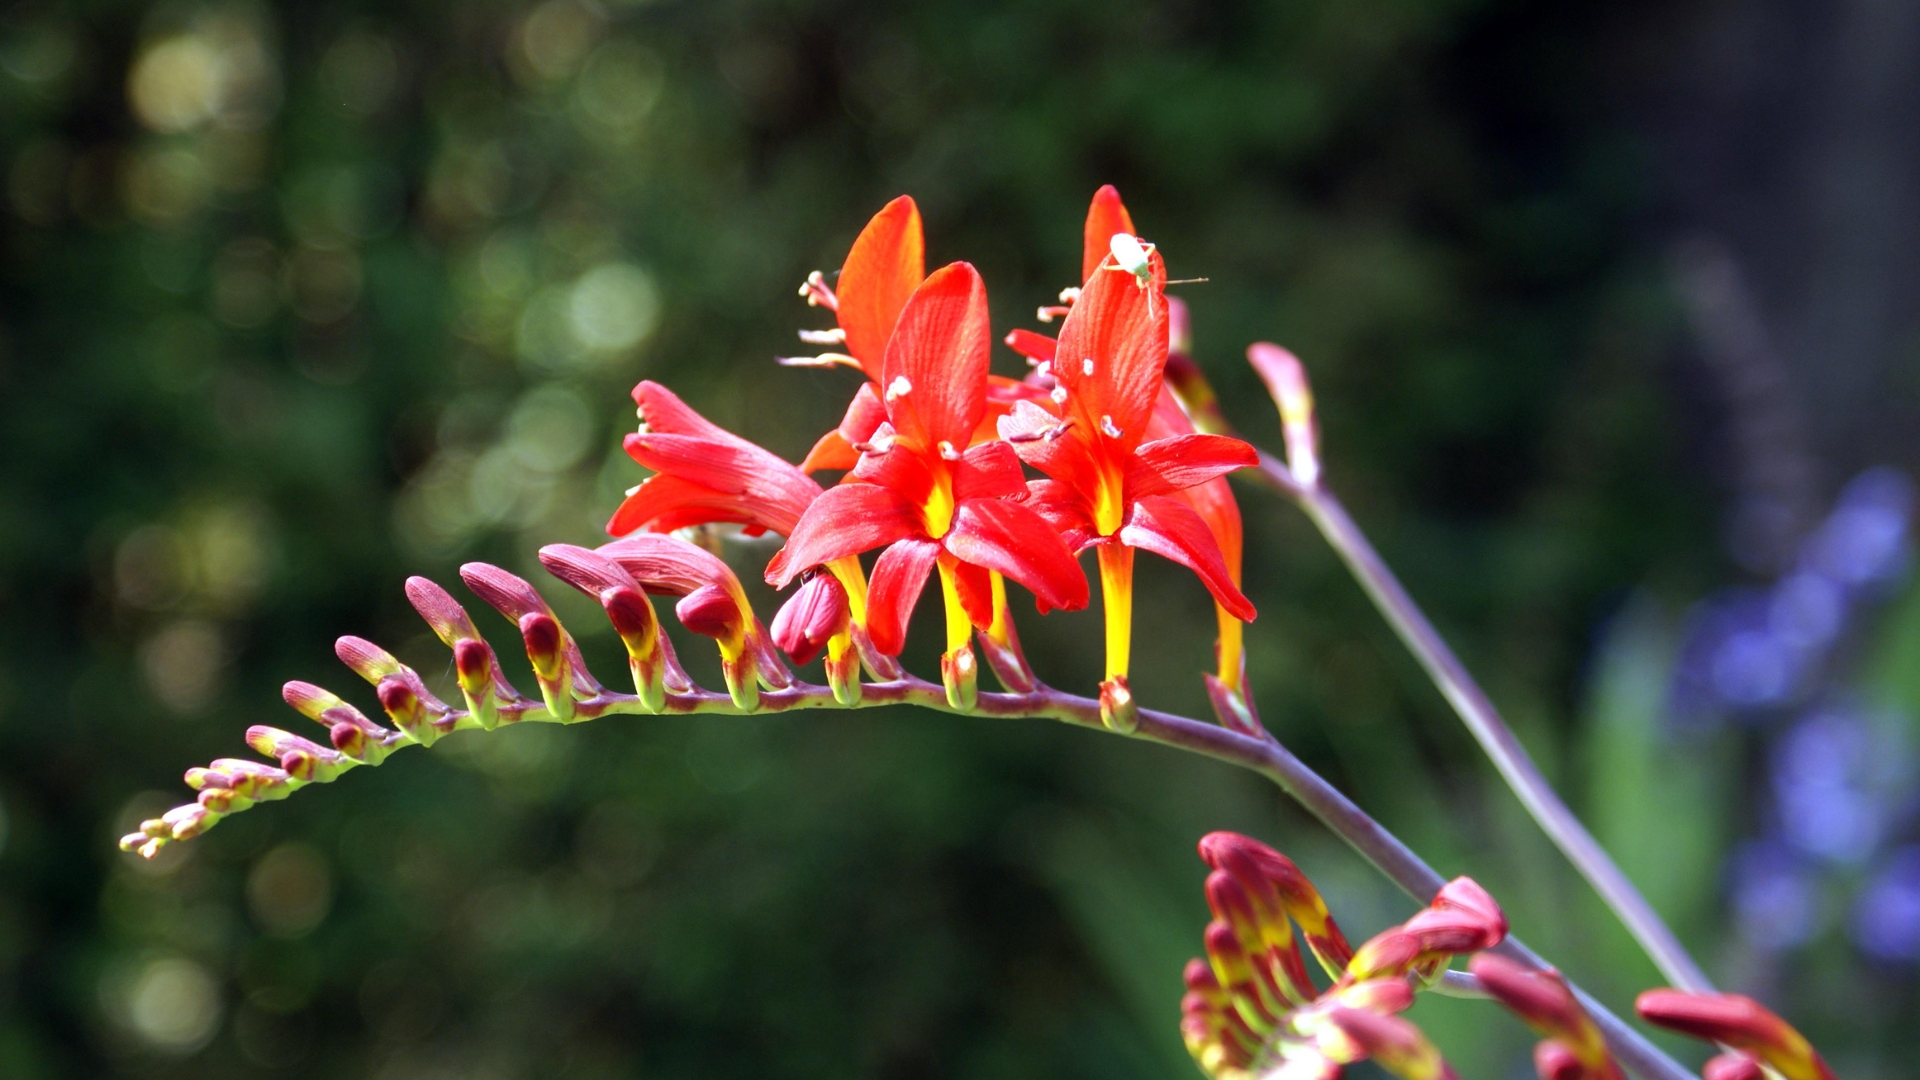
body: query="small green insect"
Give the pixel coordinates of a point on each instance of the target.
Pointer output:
(1132, 256)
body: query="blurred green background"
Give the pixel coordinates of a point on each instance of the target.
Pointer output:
(1602, 307)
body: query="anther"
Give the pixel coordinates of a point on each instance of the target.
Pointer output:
(1086, 367)
(899, 388)
(1107, 428)
(832, 336)
(1059, 395)
(1070, 294)
(947, 452)
(1058, 430)
(1042, 368)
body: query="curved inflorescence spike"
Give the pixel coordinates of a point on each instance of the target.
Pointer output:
(569, 692)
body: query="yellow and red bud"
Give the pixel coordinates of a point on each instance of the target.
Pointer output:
(1733, 1066)
(1253, 994)
(403, 696)
(352, 733)
(473, 664)
(302, 759)
(1737, 1021)
(1286, 380)
(710, 611)
(482, 683)
(1251, 861)
(1395, 1044)
(557, 664)
(650, 656)
(1573, 1048)
(367, 660)
(817, 612)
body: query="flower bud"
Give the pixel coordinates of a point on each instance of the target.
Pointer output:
(1286, 380)
(815, 613)
(1737, 1021)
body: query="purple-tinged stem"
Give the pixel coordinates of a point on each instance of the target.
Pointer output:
(1516, 766)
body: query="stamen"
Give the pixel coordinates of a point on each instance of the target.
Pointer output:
(899, 388)
(817, 293)
(1048, 314)
(1107, 428)
(1058, 430)
(1059, 395)
(1042, 368)
(947, 452)
(1086, 367)
(878, 445)
(1070, 294)
(832, 336)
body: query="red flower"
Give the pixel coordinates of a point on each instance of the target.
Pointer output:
(921, 492)
(1111, 486)
(704, 474)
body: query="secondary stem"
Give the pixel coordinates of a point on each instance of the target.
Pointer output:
(1492, 733)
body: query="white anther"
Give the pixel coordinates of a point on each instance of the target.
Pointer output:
(1043, 368)
(1059, 395)
(880, 443)
(1107, 428)
(1086, 367)
(835, 336)
(899, 388)
(1044, 314)
(947, 451)
(1070, 294)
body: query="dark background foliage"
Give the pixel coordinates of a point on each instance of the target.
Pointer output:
(1603, 304)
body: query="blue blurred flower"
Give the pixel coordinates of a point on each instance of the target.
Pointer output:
(1886, 918)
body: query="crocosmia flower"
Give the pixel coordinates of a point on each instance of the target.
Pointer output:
(932, 500)
(704, 474)
(1110, 487)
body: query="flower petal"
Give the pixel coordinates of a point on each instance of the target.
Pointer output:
(847, 520)
(885, 266)
(974, 586)
(1017, 542)
(1170, 529)
(1062, 508)
(1038, 347)
(1107, 215)
(668, 503)
(1113, 351)
(934, 379)
(833, 451)
(899, 575)
(768, 489)
(1174, 464)
(663, 411)
(988, 471)
(666, 564)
